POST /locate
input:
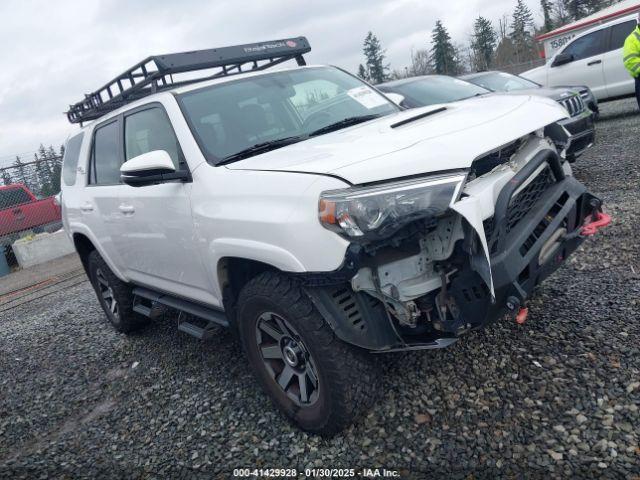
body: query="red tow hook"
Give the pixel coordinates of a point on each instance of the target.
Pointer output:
(521, 317)
(598, 220)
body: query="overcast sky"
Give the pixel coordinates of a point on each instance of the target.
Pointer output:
(52, 52)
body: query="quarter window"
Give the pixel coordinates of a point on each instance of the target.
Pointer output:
(150, 130)
(587, 46)
(70, 160)
(105, 158)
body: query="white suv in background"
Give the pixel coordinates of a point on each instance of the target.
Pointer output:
(593, 58)
(314, 217)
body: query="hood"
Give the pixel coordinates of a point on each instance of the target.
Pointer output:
(444, 140)
(554, 93)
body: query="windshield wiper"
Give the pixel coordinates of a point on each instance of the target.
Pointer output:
(260, 148)
(347, 122)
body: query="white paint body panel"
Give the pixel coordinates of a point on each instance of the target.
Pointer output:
(172, 236)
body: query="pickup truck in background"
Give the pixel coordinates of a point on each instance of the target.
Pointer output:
(20, 210)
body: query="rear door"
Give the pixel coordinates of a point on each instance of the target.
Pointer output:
(157, 242)
(586, 68)
(616, 76)
(98, 202)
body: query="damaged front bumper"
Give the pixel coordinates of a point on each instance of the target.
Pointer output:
(475, 271)
(583, 134)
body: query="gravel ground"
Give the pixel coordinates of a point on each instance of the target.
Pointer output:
(558, 397)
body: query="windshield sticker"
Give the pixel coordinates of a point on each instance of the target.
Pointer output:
(366, 97)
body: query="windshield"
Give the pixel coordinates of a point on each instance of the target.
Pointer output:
(251, 115)
(434, 89)
(503, 82)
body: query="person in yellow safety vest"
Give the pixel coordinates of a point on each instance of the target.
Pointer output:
(631, 57)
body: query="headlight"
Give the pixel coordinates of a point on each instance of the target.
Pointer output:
(367, 213)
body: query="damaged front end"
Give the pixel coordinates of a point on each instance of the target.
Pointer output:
(508, 224)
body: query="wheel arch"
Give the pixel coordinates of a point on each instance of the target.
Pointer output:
(233, 274)
(84, 244)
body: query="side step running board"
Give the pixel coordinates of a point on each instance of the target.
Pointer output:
(210, 315)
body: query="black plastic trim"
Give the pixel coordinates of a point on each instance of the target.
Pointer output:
(210, 314)
(418, 117)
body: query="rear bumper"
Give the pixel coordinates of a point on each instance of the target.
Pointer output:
(582, 132)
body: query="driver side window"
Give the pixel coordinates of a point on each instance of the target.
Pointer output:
(587, 46)
(148, 130)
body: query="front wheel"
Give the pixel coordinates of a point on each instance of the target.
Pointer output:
(318, 381)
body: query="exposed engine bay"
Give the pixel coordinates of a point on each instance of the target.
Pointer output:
(516, 220)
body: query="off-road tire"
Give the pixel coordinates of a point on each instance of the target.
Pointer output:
(346, 375)
(126, 320)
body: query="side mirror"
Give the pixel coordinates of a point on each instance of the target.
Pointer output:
(149, 168)
(395, 98)
(561, 59)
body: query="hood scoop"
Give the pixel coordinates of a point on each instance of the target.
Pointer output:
(418, 117)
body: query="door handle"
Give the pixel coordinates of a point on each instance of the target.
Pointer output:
(594, 62)
(87, 207)
(127, 209)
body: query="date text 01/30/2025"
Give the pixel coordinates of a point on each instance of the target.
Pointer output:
(316, 473)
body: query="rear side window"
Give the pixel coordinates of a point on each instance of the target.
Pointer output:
(105, 156)
(150, 130)
(70, 159)
(619, 34)
(587, 46)
(10, 197)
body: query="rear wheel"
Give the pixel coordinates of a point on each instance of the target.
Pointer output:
(318, 381)
(114, 295)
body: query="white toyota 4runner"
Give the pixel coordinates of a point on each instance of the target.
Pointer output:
(312, 215)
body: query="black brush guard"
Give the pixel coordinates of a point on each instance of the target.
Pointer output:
(526, 252)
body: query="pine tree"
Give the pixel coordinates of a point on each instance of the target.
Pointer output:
(42, 174)
(483, 43)
(559, 14)
(521, 25)
(362, 73)
(375, 55)
(547, 13)
(54, 166)
(21, 170)
(443, 54)
(6, 177)
(577, 8)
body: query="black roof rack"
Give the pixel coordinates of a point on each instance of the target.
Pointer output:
(155, 73)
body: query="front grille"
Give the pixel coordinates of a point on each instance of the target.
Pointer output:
(574, 105)
(522, 203)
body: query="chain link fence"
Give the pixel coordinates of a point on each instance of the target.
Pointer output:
(518, 68)
(27, 203)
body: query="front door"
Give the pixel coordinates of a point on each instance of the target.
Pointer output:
(157, 241)
(586, 66)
